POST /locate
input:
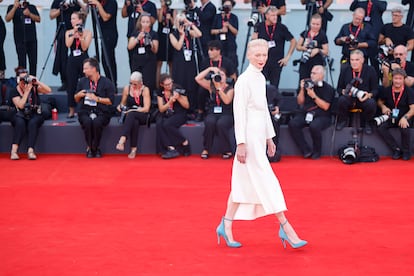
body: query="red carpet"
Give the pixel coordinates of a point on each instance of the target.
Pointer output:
(68, 215)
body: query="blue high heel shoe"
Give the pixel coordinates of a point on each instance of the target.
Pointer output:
(284, 238)
(221, 232)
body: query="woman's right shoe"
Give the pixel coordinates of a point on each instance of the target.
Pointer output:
(14, 156)
(204, 155)
(222, 233)
(31, 155)
(283, 237)
(186, 149)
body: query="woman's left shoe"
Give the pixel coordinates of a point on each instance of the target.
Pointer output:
(31, 155)
(221, 232)
(284, 238)
(186, 149)
(227, 155)
(132, 154)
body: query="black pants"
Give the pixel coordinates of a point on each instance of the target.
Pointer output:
(202, 97)
(74, 71)
(110, 64)
(318, 124)
(345, 103)
(30, 126)
(384, 131)
(2, 38)
(93, 128)
(147, 66)
(168, 131)
(28, 48)
(272, 72)
(133, 120)
(219, 124)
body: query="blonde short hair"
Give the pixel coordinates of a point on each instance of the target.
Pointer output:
(255, 43)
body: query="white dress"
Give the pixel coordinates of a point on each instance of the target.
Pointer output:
(254, 184)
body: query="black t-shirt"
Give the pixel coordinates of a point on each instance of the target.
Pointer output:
(109, 28)
(152, 34)
(326, 93)
(215, 100)
(225, 63)
(320, 38)
(176, 107)
(407, 99)
(65, 13)
(24, 28)
(33, 99)
(206, 16)
(133, 15)
(104, 89)
(229, 39)
(398, 35)
(374, 18)
(362, 33)
(368, 76)
(279, 34)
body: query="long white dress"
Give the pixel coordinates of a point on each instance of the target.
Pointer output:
(254, 184)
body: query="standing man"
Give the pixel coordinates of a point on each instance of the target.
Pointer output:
(276, 34)
(61, 11)
(24, 16)
(315, 97)
(207, 13)
(96, 95)
(107, 10)
(318, 7)
(2, 38)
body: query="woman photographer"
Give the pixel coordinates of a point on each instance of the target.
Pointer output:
(219, 117)
(313, 44)
(184, 60)
(77, 40)
(28, 118)
(136, 103)
(172, 105)
(144, 46)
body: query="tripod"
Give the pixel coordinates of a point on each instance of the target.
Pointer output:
(96, 27)
(254, 18)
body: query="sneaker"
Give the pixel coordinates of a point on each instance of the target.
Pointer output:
(170, 154)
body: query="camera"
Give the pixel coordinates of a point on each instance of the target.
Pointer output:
(272, 108)
(308, 84)
(216, 77)
(306, 54)
(381, 119)
(226, 9)
(23, 4)
(349, 154)
(68, 3)
(180, 91)
(254, 18)
(136, 2)
(352, 41)
(124, 109)
(28, 79)
(79, 28)
(352, 90)
(181, 23)
(90, 91)
(147, 40)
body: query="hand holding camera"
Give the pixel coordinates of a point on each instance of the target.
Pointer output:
(352, 90)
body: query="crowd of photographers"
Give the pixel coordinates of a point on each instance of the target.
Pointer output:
(199, 46)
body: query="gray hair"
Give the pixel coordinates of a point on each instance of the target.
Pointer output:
(136, 76)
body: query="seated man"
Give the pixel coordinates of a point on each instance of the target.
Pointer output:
(357, 87)
(273, 100)
(315, 104)
(96, 95)
(399, 60)
(397, 108)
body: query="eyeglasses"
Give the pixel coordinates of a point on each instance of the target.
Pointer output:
(133, 83)
(398, 54)
(168, 84)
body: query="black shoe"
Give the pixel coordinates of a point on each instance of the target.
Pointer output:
(170, 154)
(199, 117)
(186, 150)
(62, 88)
(307, 154)
(406, 156)
(396, 154)
(89, 153)
(340, 124)
(316, 155)
(98, 153)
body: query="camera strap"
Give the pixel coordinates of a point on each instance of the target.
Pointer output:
(270, 35)
(219, 62)
(360, 27)
(396, 101)
(354, 74)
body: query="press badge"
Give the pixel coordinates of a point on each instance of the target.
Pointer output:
(135, 15)
(187, 55)
(367, 19)
(165, 30)
(27, 20)
(89, 101)
(309, 117)
(218, 109)
(141, 50)
(395, 112)
(77, 53)
(223, 37)
(272, 43)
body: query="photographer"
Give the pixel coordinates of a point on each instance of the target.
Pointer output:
(315, 97)
(318, 7)
(219, 118)
(78, 40)
(273, 101)
(314, 46)
(396, 32)
(399, 60)
(276, 34)
(144, 45)
(184, 61)
(358, 88)
(133, 10)
(355, 35)
(107, 11)
(172, 105)
(61, 10)
(24, 16)
(134, 107)
(95, 95)
(206, 13)
(28, 118)
(225, 29)
(262, 5)
(397, 108)
(2, 39)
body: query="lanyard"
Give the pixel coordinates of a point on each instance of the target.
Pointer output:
(166, 101)
(93, 85)
(312, 36)
(219, 63)
(77, 43)
(187, 42)
(222, 19)
(217, 99)
(273, 31)
(354, 74)
(369, 8)
(357, 31)
(137, 96)
(399, 96)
